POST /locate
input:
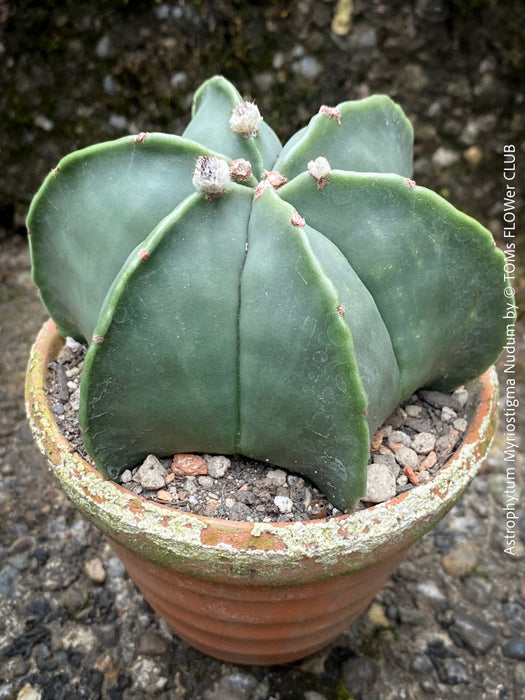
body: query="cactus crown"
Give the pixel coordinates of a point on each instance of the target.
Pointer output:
(243, 297)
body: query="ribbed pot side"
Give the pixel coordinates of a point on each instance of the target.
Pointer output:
(255, 593)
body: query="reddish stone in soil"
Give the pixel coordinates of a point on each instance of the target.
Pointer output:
(429, 461)
(189, 465)
(164, 496)
(411, 475)
(396, 446)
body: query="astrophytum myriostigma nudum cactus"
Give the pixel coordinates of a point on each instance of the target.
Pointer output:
(240, 297)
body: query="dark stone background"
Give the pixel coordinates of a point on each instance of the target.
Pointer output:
(75, 73)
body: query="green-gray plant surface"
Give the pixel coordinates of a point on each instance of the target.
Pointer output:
(277, 302)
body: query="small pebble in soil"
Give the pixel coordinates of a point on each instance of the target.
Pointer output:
(94, 570)
(380, 484)
(407, 450)
(150, 474)
(515, 649)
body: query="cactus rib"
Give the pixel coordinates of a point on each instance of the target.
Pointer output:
(90, 215)
(370, 135)
(175, 324)
(432, 267)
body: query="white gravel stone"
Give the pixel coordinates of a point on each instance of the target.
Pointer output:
(73, 344)
(28, 692)
(460, 424)
(118, 121)
(74, 399)
(150, 474)
(103, 47)
(276, 477)
(78, 638)
(178, 79)
(44, 122)
(424, 443)
(380, 484)
(147, 676)
(461, 395)
(73, 372)
(389, 461)
(400, 437)
(284, 504)
(94, 570)
(413, 410)
(430, 590)
(448, 414)
(126, 476)
(218, 465)
(445, 157)
(206, 482)
(190, 484)
(308, 66)
(407, 457)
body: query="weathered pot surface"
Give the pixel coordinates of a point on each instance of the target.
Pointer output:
(255, 593)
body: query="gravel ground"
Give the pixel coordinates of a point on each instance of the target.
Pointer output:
(451, 621)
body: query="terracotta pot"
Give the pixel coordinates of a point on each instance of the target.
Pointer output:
(254, 593)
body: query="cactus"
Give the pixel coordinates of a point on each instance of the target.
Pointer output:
(240, 297)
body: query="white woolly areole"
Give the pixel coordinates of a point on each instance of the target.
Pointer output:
(275, 178)
(246, 119)
(241, 169)
(319, 168)
(211, 175)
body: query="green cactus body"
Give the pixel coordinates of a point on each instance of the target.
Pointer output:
(280, 321)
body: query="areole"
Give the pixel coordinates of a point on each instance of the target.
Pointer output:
(257, 593)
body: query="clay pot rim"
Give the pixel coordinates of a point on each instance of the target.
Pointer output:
(165, 535)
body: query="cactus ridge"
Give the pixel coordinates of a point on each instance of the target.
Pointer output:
(160, 314)
(432, 268)
(281, 321)
(80, 239)
(312, 391)
(371, 135)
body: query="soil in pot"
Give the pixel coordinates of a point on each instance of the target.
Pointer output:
(408, 449)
